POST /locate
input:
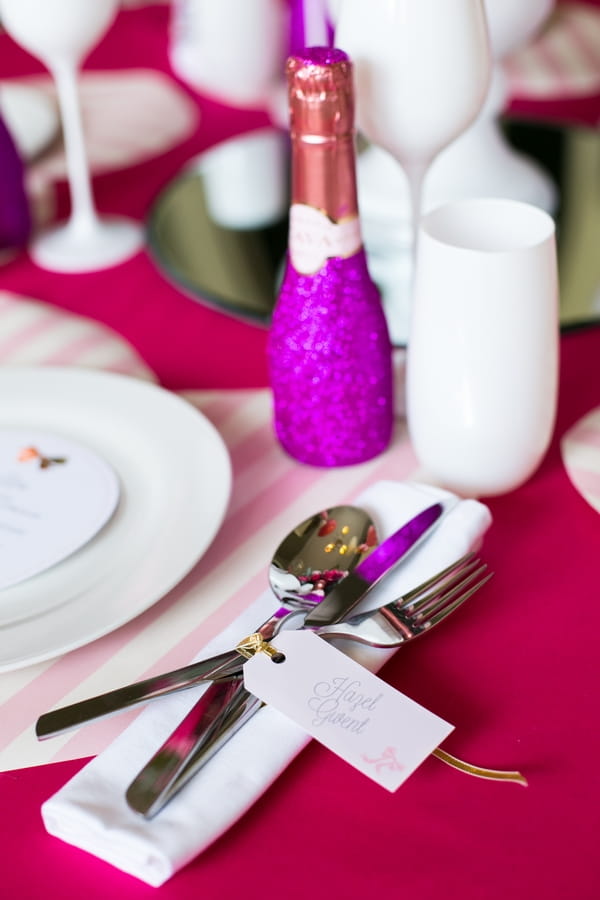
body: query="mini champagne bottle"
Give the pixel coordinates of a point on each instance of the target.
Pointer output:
(329, 349)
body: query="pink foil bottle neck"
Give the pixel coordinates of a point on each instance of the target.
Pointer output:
(321, 101)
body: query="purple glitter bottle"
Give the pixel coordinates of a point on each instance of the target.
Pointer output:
(329, 349)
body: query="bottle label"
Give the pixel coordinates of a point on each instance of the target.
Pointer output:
(314, 238)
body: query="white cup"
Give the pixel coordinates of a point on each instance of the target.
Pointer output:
(482, 363)
(245, 179)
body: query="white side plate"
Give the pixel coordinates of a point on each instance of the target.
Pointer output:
(175, 478)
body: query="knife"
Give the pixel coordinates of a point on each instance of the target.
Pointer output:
(201, 734)
(352, 587)
(344, 595)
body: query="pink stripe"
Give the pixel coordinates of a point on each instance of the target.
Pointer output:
(128, 365)
(96, 736)
(570, 31)
(72, 351)
(105, 731)
(579, 33)
(7, 301)
(585, 434)
(218, 409)
(547, 53)
(254, 448)
(47, 688)
(249, 517)
(248, 485)
(45, 322)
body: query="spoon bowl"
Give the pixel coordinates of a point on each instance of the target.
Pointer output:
(316, 555)
(319, 552)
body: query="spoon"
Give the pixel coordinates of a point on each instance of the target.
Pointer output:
(312, 557)
(224, 708)
(388, 626)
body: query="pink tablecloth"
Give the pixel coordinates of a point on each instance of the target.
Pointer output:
(517, 674)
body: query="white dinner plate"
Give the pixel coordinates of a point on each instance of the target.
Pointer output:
(175, 477)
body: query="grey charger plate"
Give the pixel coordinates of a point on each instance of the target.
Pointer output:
(239, 271)
(236, 271)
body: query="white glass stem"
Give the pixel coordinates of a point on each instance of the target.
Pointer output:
(83, 212)
(415, 173)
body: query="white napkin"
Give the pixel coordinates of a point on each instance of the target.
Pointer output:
(90, 810)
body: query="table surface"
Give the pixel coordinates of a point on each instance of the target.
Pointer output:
(516, 675)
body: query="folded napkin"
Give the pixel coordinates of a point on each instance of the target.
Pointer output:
(90, 810)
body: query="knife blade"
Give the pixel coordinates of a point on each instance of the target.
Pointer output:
(192, 744)
(58, 721)
(344, 595)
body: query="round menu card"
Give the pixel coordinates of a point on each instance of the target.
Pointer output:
(55, 495)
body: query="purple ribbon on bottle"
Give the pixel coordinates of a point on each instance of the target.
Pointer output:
(298, 27)
(15, 217)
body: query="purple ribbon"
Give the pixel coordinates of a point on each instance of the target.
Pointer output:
(15, 217)
(297, 29)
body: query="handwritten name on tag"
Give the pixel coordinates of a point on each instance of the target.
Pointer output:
(352, 712)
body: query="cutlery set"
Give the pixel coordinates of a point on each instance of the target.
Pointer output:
(319, 573)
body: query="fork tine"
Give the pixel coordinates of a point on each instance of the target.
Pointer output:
(429, 604)
(441, 615)
(410, 596)
(443, 581)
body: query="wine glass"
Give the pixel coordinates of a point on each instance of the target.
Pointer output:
(422, 73)
(61, 33)
(482, 361)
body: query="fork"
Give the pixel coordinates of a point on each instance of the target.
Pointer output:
(404, 619)
(189, 748)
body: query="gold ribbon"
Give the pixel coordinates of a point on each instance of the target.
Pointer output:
(477, 771)
(255, 643)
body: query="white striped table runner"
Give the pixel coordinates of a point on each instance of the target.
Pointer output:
(271, 493)
(563, 61)
(34, 333)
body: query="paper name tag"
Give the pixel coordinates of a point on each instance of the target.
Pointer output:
(374, 727)
(55, 495)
